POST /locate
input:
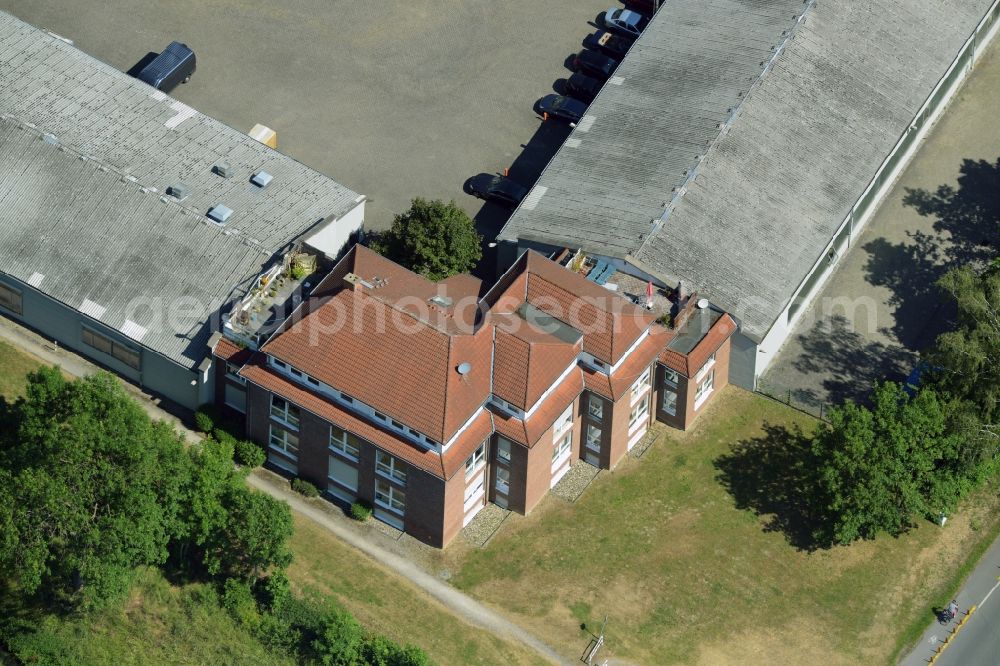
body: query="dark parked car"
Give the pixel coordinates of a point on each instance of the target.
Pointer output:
(174, 66)
(495, 188)
(583, 87)
(609, 44)
(565, 108)
(625, 22)
(594, 64)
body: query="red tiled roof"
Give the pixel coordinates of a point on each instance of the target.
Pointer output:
(527, 432)
(228, 350)
(688, 365)
(429, 461)
(467, 442)
(610, 323)
(442, 466)
(527, 360)
(460, 287)
(374, 346)
(622, 379)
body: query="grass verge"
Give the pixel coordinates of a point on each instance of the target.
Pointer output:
(14, 365)
(684, 574)
(392, 606)
(159, 623)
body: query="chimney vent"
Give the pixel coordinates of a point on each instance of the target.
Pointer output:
(223, 169)
(261, 179)
(180, 191)
(219, 214)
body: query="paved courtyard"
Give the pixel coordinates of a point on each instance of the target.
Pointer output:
(881, 306)
(394, 98)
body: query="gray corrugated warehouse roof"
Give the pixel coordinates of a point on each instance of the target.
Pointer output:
(88, 156)
(765, 128)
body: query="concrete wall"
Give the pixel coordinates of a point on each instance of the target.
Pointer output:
(157, 374)
(333, 237)
(743, 361)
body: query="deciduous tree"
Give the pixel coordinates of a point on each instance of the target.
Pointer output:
(433, 238)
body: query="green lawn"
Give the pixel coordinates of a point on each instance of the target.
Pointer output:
(390, 605)
(160, 623)
(660, 547)
(14, 365)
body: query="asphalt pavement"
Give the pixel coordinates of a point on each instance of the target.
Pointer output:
(977, 642)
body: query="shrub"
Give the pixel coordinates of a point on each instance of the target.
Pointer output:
(360, 511)
(238, 600)
(248, 454)
(304, 488)
(203, 421)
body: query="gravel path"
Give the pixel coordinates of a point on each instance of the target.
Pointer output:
(471, 610)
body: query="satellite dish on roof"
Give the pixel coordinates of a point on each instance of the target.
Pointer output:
(464, 368)
(702, 303)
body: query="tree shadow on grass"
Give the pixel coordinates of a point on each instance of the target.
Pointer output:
(774, 475)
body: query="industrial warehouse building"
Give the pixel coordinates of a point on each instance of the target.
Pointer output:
(740, 147)
(129, 222)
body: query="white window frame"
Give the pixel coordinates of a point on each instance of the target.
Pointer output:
(284, 414)
(705, 368)
(501, 485)
(593, 438)
(281, 440)
(392, 495)
(592, 402)
(390, 467)
(671, 377)
(639, 414)
(561, 451)
(476, 461)
(671, 410)
(474, 492)
(642, 385)
(705, 388)
(564, 423)
(329, 473)
(504, 443)
(342, 445)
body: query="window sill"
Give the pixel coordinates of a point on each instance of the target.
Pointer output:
(559, 462)
(343, 454)
(291, 456)
(472, 474)
(382, 505)
(704, 396)
(284, 423)
(503, 489)
(474, 500)
(636, 397)
(704, 370)
(643, 420)
(342, 484)
(389, 477)
(560, 433)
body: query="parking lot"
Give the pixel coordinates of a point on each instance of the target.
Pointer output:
(393, 99)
